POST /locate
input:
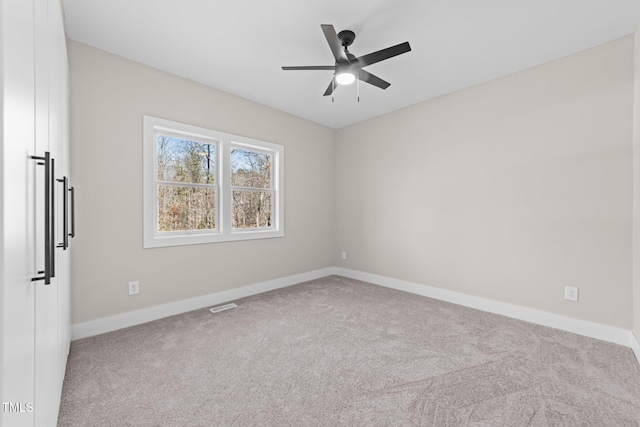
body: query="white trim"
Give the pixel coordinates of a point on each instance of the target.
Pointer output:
(581, 327)
(539, 317)
(635, 346)
(131, 318)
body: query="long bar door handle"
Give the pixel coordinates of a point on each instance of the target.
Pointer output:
(47, 272)
(72, 193)
(65, 213)
(52, 210)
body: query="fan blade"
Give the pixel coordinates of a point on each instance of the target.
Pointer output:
(334, 43)
(383, 54)
(329, 90)
(312, 67)
(374, 80)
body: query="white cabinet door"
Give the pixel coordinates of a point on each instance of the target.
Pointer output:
(52, 301)
(46, 296)
(59, 142)
(17, 291)
(59, 132)
(34, 317)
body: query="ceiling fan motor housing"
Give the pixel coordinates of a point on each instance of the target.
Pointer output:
(346, 37)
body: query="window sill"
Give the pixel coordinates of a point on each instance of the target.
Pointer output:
(161, 241)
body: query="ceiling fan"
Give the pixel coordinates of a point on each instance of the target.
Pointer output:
(347, 67)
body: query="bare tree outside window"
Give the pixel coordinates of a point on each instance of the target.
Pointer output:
(252, 189)
(186, 184)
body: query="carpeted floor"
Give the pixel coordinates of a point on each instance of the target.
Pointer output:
(336, 351)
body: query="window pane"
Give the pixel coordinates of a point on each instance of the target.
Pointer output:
(250, 169)
(186, 208)
(252, 209)
(182, 160)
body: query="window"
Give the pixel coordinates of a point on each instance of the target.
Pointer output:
(251, 187)
(204, 186)
(186, 183)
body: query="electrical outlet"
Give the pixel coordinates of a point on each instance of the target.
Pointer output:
(571, 293)
(134, 288)
(344, 255)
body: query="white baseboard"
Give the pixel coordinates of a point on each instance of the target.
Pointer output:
(635, 345)
(131, 318)
(581, 327)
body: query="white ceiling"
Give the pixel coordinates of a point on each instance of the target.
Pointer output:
(239, 46)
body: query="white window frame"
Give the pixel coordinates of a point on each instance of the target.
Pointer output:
(224, 142)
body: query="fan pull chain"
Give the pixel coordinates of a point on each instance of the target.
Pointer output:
(358, 85)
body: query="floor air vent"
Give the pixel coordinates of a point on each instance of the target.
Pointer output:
(222, 308)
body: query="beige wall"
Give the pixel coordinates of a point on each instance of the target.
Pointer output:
(109, 96)
(509, 190)
(636, 188)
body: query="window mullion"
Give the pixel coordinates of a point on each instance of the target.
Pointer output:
(185, 184)
(252, 188)
(226, 206)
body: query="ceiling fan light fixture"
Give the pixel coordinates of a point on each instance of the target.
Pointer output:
(345, 78)
(348, 67)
